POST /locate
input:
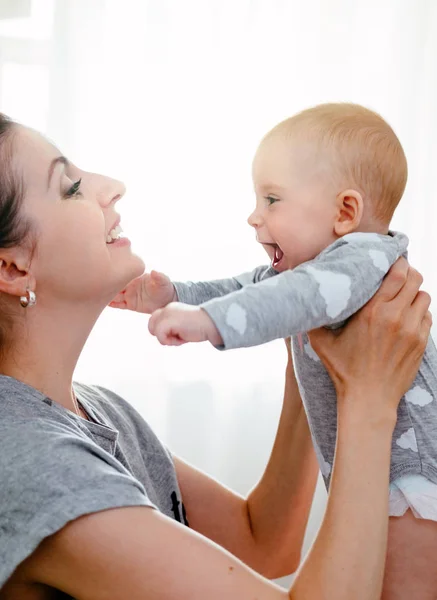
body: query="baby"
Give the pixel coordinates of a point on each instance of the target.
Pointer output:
(327, 182)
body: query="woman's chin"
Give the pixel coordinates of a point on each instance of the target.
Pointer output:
(135, 269)
(106, 287)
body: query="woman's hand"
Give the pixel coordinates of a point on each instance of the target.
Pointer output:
(380, 350)
(372, 362)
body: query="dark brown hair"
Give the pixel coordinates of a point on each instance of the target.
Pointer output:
(13, 228)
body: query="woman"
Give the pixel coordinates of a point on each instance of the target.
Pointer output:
(90, 500)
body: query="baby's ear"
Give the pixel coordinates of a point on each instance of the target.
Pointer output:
(349, 212)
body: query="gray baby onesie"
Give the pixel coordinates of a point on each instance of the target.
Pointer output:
(255, 308)
(56, 467)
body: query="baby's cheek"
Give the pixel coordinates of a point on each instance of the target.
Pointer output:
(302, 247)
(320, 234)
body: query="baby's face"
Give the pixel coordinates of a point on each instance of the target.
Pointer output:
(295, 205)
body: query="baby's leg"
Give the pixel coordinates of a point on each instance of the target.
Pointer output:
(411, 568)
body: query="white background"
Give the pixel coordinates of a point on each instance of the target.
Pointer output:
(172, 96)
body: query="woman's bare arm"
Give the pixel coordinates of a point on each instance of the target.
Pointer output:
(266, 529)
(372, 363)
(137, 553)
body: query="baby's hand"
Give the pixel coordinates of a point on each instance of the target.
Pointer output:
(178, 323)
(146, 293)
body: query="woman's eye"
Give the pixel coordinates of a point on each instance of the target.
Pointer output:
(271, 200)
(74, 190)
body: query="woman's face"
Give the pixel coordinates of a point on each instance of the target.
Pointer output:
(73, 213)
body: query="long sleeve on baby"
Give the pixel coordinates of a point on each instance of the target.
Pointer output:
(196, 293)
(264, 305)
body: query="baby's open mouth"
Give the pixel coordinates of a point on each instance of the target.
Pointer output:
(277, 257)
(274, 252)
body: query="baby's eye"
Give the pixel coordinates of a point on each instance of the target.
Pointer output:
(271, 200)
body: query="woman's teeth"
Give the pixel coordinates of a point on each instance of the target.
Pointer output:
(114, 234)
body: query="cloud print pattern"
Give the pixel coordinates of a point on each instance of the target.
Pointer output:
(257, 307)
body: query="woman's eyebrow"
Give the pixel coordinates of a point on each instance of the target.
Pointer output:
(59, 159)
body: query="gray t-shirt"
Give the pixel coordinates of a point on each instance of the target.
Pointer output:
(56, 466)
(261, 306)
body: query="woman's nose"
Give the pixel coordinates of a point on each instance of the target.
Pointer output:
(111, 192)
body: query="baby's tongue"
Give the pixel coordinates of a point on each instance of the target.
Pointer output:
(278, 256)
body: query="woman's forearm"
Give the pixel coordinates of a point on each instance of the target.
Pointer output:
(280, 503)
(347, 559)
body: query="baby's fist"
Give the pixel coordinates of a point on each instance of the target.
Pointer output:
(178, 323)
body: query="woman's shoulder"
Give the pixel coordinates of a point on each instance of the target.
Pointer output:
(41, 441)
(52, 471)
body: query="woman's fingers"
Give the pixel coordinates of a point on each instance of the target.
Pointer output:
(420, 318)
(426, 328)
(409, 290)
(391, 303)
(421, 303)
(419, 314)
(383, 344)
(393, 282)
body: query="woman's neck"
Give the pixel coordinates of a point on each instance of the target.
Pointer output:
(49, 346)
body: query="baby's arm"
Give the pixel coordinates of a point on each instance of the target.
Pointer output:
(178, 322)
(322, 292)
(199, 292)
(155, 290)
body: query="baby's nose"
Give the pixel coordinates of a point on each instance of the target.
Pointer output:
(253, 219)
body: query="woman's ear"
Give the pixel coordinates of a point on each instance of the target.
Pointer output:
(350, 208)
(15, 277)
